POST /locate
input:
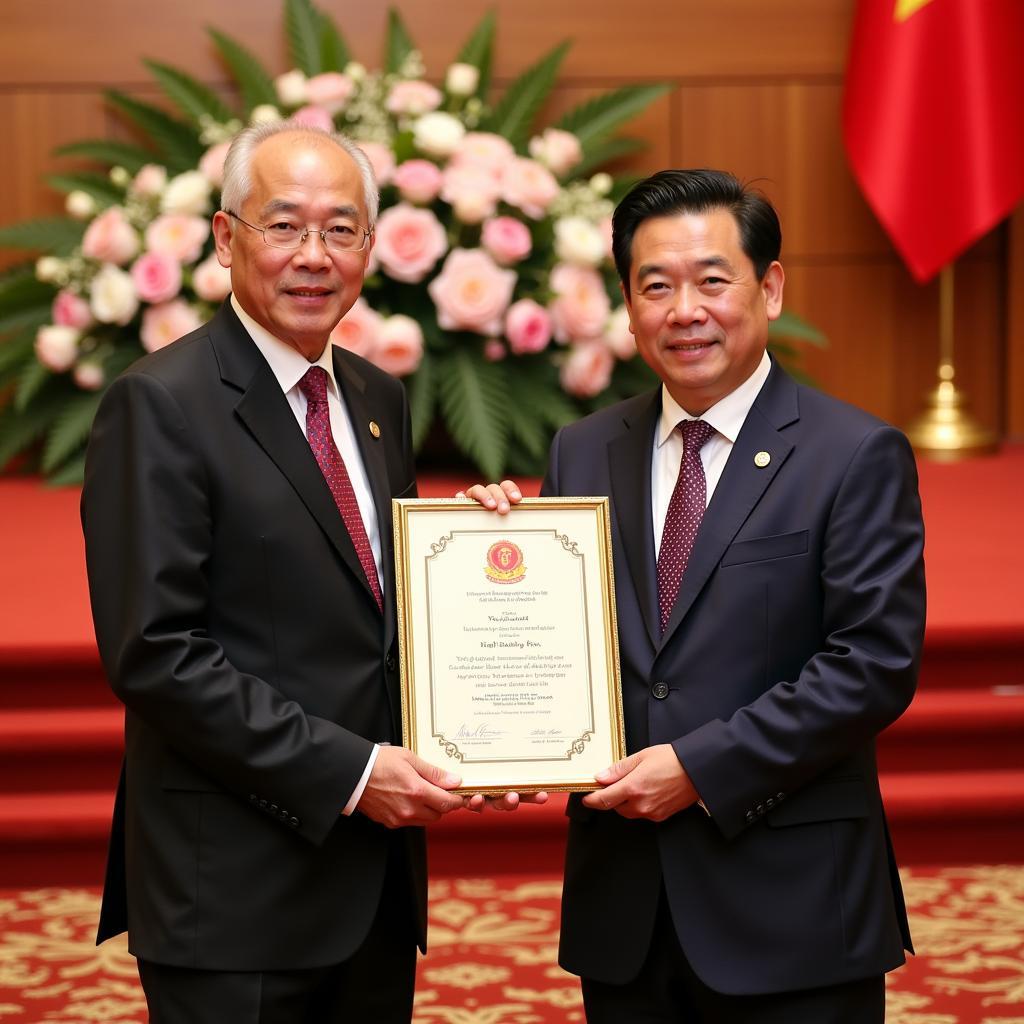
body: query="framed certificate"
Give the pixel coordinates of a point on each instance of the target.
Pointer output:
(508, 641)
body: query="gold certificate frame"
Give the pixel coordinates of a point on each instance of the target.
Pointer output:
(508, 641)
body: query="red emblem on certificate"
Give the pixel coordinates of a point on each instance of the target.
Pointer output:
(505, 563)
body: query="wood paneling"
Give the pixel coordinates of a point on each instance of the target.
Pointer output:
(757, 89)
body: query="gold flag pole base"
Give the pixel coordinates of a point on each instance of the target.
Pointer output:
(945, 431)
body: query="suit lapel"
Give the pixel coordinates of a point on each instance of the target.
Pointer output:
(264, 410)
(372, 449)
(740, 487)
(629, 465)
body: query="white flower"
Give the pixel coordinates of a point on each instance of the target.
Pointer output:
(355, 70)
(56, 347)
(49, 269)
(461, 80)
(601, 183)
(291, 88)
(89, 375)
(112, 296)
(150, 180)
(437, 133)
(187, 193)
(80, 205)
(578, 241)
(265, 113)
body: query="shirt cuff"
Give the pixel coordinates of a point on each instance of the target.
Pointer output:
(363, 780)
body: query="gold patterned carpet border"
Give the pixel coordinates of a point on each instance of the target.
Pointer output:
(493, 948)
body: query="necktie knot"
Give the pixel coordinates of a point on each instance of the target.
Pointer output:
(696, 434)
(313, 384)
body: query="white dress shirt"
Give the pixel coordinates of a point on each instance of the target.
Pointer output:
(726, 416)
(289, 366)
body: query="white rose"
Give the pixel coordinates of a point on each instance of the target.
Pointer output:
(462, 80)
(112, 296)
(48, 268)
(89, 375)
(578, 241)
(265, 113)
(291, 88)
(437, 134)
(80, 205)
(355, 70)
(187, 193)
(56, 347)
(601, 183)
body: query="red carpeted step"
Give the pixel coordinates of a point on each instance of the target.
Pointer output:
(966, 729)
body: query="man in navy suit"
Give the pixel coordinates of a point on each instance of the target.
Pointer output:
(736, 866)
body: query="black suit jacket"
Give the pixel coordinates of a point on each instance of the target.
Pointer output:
(794, 641)
(235, 622)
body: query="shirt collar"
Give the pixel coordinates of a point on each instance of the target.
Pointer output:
(727, 415)
(288, 365)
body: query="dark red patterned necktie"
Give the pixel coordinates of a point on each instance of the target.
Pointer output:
(685, 511)
(318, 430)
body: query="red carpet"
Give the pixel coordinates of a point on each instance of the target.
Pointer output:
(493, 948)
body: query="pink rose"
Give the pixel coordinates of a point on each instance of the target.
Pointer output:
(212, 163)
(581, 306)
(413, 97)
(529, 186)
(617, 335)
(409, 242)
(178, 235)
(485, 149)
(472, 292)
(314, 117)
(471, 191)
(331, 90)
(588, 369)
(359, 329)
(556, 149)
(382, 160)
(399, 345)
(56, 347)
(527, 327)
(508, 240)
(150, 180)
(110, 238)
(494, 350)
(89, 375)
(417, 181)
(167, 322)
(210, 281)
(156, 276)
(71, 310)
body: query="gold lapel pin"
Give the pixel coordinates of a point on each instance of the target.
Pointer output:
(374, 429)
(761, 459)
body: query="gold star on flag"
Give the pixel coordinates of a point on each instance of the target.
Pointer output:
(905, 8)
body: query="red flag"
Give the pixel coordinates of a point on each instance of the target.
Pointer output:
(933, 119)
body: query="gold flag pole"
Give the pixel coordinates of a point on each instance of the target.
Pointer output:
(945, 430)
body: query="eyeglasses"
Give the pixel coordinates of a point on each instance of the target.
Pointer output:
(341, 236)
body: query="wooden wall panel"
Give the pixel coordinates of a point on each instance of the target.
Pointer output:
(757, 88)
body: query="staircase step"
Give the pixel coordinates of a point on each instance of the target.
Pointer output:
(957, 729)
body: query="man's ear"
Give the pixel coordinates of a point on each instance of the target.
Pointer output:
(629, 306)
(223, 231)
(771, 286)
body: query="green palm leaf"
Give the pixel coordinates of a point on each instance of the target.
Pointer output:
(478, 49)
(70, 429)
(302, 23)
(422, 389)
(472, 392)
(58, 235)
(24, 300)
(514, 114)
(72, 472)
(594, 120)
(20, 429)
(33, 377)
(177, 142)
(109, 151)
(334, 51)
(16, 349)
(255, 84)
(399, 45)
(601, 153)
(789, 325)
(100, 187)
(193, 98)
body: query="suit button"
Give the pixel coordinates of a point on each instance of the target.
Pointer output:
(294, 822)
(780, 796)
(253, 798)
(263, 805)
(659, 691)
(273, 808)
(389, 663)
(751, 817)
(770, 802)
(760, 810)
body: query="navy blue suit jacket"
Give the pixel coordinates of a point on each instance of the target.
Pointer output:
(794, 641)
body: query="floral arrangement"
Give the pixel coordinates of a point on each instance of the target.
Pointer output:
(490, 287)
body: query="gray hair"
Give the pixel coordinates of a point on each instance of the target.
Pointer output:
(238, 164)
